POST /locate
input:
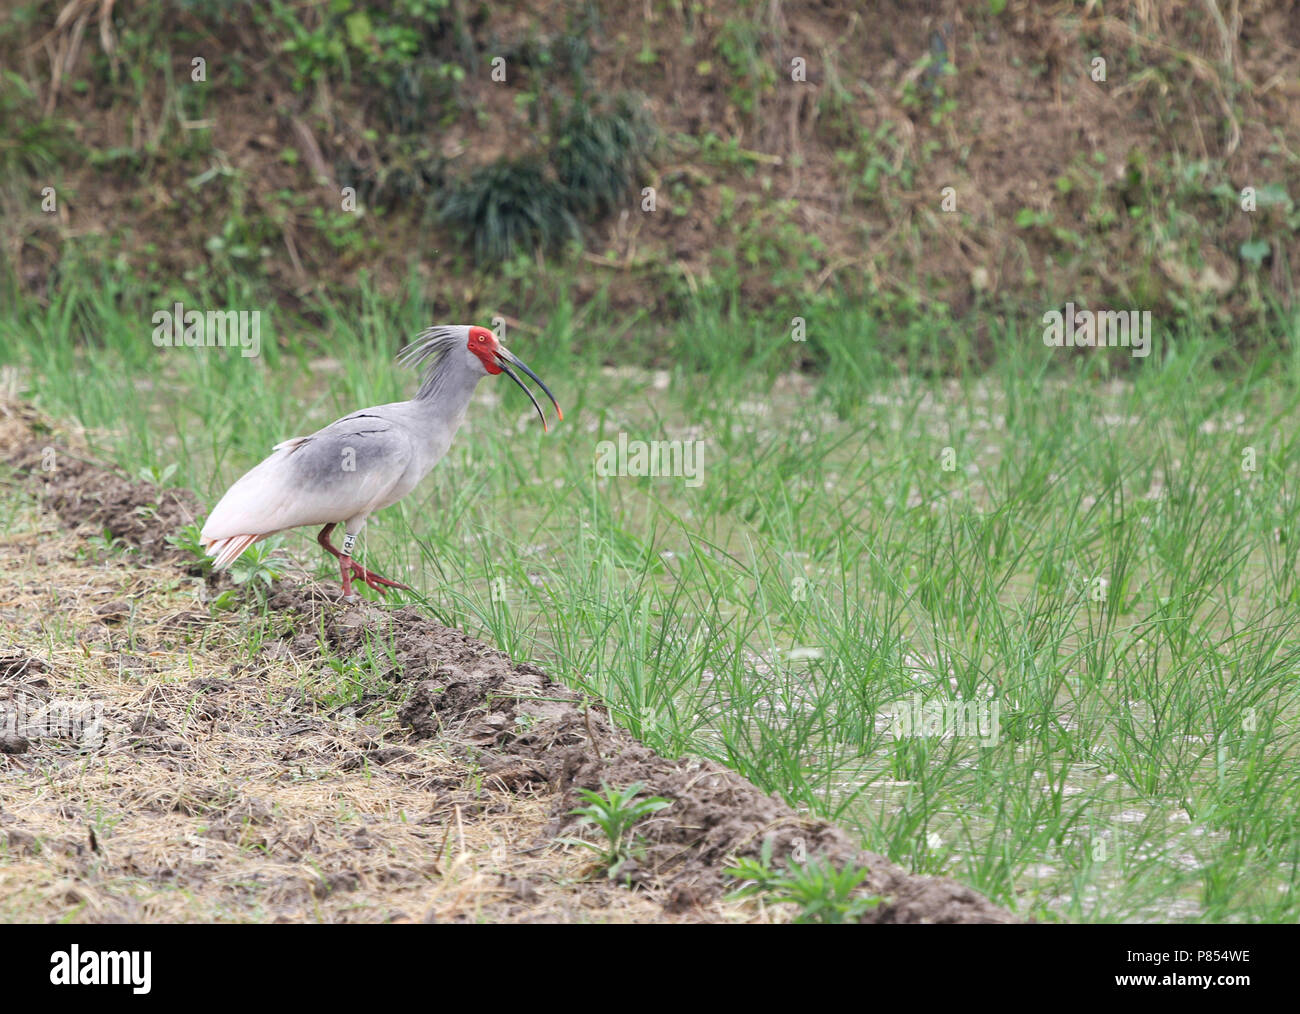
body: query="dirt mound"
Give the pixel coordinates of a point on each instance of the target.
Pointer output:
(505, 727)
(84, 491)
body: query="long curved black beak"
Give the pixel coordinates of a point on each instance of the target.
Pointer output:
(504, 358)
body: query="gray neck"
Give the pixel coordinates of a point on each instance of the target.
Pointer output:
(444, 396)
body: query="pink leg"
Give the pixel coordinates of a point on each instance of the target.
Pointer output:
(346, 573)
(349, 568)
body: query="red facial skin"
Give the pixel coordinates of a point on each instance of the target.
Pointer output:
(483, 343)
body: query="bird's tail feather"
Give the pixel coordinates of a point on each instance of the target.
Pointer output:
(224, 552)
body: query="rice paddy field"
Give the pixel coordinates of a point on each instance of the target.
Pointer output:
(1033, 624)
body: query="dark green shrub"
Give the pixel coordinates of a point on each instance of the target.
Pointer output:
(507, 207)
(598, 155)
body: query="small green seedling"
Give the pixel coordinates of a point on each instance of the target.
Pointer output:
(228, 599)
(155, 475)
(615, 813)
(187, 540)
(822, 893)
(258, 564)
(109, 544)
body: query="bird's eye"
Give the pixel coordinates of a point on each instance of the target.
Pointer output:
(481, 338)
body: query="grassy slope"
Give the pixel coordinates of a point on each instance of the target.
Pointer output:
(784, 197)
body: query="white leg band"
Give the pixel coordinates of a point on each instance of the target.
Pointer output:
(349, 540)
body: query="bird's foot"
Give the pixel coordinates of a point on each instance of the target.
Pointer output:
(373, 580)
(349, 569)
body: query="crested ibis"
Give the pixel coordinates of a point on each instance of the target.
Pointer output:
(367, 460)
